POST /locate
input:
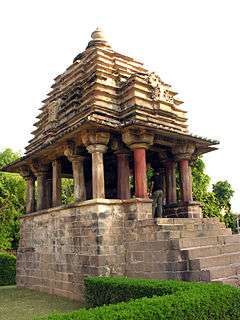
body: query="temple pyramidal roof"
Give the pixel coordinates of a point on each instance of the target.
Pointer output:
(108, 89)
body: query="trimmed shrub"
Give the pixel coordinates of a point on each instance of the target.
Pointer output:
(179, 300)
(7, 269)
(108, 290)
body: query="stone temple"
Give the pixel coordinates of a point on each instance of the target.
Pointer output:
(104, 122)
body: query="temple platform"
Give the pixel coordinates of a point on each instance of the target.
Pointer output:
(62, 245)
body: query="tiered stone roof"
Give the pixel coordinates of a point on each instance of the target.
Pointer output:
(105, 88)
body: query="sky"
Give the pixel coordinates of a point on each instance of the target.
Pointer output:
(192, 45)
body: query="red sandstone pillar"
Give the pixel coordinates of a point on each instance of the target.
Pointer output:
(170, 174)
(123, 173)
(140, 172)
(186, 190)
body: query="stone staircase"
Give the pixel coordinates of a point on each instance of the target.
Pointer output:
(208, 250)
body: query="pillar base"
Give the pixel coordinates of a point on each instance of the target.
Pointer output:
(183, 210)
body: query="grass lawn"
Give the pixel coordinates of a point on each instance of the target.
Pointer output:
(24, 304)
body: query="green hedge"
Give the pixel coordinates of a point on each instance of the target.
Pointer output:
(109, 290)
(178, 300)
(7, 269)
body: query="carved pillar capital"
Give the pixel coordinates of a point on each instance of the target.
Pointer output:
(92, 148)
(183, 151)
(38, 168)
(92, 137)
(137, 138)
(26, 173)
(69, 149)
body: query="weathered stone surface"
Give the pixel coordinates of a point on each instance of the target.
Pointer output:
(60, 246)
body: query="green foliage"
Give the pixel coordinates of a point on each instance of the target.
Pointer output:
(178, 300)
(215, 201)
(230, 221)
(67, 191)
(12, 193)
(200, 184)
(109, 290)
(7, 269)
(223, 192)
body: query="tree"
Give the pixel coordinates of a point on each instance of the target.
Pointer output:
(223, 192)
(216, 202)
(12, 191)
(201, 183)
(67, 191)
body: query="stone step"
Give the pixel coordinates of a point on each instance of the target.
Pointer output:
(233, 281)
(177, 234)
(234, 238)
(191, 227)
(221, 272)
(189, 221)
(211, 240)
(219, 260)
(207, 251)
(197, 242)
(201, 233)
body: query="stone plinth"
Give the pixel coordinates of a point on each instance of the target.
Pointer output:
(184, 210)
(60, 246)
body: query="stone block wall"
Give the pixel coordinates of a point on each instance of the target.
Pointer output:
(60, 246)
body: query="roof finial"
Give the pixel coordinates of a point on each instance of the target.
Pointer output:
(98, 35)
(98, 39)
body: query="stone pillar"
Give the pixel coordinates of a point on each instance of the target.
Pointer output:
(49, 192)
(56, 183)
(41, 190)
(183, 154)
(190, 179)
(170, 176)
(98, 183)
(96, 143)
(140, 172)
(185, 183)
(138, 141)
(123, 173)
(163, 178)
(78, 177)
(30, 193)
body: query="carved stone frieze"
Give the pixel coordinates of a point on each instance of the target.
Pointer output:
(154, 80)
(53, 109)
(158, 89)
